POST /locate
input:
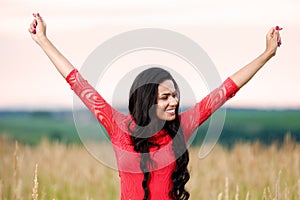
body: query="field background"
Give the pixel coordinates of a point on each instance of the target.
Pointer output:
(257, 157)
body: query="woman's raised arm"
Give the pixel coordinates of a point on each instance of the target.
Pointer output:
(273, 40)
(102, 110)
(37, 30)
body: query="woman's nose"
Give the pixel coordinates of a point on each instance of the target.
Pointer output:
(173, 101)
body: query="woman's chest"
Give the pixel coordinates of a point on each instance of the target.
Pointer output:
(128, 160)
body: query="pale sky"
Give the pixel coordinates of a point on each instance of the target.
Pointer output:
(231, 32)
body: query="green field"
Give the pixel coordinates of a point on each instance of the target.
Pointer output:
(246, 125)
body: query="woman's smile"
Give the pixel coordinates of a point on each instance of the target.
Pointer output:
(167, 101)
(171, 111)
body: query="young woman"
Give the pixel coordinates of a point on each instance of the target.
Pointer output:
(150, 142)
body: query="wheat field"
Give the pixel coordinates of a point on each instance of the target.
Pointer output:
(57, 171)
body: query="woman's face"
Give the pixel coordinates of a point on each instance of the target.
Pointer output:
(167, 101)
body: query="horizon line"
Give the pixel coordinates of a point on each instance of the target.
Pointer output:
(122, 107)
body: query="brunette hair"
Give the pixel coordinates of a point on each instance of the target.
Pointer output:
(142, 100)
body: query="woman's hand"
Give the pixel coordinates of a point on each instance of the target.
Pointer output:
(273, 40)
(37, 29)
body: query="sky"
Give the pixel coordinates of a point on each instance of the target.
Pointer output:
(232, 33)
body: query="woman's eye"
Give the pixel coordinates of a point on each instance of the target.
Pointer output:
(175, 95)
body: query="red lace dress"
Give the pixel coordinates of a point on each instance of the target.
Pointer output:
(128, 161)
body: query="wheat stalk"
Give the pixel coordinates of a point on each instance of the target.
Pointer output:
(286, 193)
(16, 178)
(237, 193)
(1, 185)
(220, 196)
(277, 196)
(265, 194)
(298, 189)
(269, 194)
(16, 158)
(248, 196)
(35, 185)
(226, 189)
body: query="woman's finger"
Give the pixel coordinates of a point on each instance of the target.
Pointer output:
(279, 41)
(33, 24)
(277, 28)
(32, 27)
(38, 18)
(270, 33)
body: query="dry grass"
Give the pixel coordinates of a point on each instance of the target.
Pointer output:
(70, 172)
(35, 188)
(252, 169)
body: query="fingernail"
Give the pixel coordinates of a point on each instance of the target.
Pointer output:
(34, 31)
(277, 28)
(38, 14)
(34, 26)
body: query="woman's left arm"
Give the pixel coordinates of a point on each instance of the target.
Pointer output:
(195, 116)
(273, 40)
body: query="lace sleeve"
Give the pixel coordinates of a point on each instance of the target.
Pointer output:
(195, 116)
(103, 111)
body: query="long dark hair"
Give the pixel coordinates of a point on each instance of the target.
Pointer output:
(142, 100)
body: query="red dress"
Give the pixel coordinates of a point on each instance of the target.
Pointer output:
(128, 161)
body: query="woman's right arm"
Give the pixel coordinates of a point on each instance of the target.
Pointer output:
(37, 31)
(102, 110)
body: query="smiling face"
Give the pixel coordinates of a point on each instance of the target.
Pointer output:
(167, 101)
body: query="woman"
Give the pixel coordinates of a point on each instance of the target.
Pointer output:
(150, 142)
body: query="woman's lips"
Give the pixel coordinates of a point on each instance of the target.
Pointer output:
(171, 111)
